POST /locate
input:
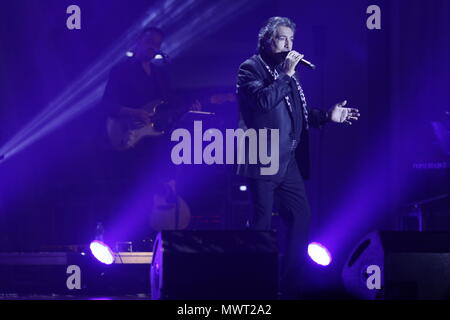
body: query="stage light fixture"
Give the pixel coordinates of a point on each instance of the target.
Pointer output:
(319, 254)
(102, 252)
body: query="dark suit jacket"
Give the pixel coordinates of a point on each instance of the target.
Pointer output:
(262, 106)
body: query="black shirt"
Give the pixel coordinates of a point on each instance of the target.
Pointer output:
(130, 86)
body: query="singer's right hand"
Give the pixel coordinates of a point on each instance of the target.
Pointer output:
(291, 61)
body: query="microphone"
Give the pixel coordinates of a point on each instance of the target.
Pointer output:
(281, 56)
(309, 64)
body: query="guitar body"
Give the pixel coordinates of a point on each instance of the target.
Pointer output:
(124, 133)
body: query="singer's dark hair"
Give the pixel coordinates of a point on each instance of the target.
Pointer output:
(268, 31)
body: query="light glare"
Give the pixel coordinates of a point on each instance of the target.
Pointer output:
(319, 254)
(102, 252)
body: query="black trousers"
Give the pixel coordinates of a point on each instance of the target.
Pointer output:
(289, 197)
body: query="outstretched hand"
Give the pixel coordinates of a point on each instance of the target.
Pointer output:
(339, 114)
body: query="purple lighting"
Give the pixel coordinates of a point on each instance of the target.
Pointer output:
(102, 252)
(319, 254)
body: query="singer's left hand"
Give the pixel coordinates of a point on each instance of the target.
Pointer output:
(339, 114)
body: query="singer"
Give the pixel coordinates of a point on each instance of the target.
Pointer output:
(270, 96)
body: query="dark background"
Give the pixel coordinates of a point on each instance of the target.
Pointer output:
(54, 191)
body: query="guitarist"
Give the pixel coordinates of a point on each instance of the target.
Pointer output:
(138, 80)
(132, 83)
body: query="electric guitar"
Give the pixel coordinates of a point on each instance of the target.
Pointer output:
(125, 133)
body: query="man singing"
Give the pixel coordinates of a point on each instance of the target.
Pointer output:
(270, 97)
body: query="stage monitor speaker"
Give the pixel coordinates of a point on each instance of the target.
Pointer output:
(410, 265)
(214, 265)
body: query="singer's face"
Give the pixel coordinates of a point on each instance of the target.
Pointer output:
(283, 40)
